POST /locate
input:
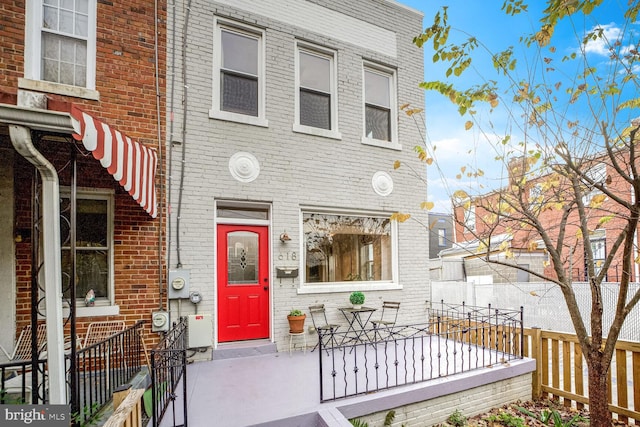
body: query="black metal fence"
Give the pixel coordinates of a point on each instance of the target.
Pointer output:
(168, 366)
(456, 338)
(100, 369)
(22, 382)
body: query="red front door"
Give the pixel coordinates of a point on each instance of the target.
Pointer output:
(243, 282)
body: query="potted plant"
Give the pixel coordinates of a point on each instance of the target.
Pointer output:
(296, 321)
(357, 299)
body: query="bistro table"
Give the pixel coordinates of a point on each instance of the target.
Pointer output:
(357, 319)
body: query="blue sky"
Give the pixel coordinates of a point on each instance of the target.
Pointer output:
(455, 147)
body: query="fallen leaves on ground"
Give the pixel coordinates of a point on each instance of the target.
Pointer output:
(531, 413)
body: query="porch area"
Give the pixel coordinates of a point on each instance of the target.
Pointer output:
(280, 389)
(464, 358)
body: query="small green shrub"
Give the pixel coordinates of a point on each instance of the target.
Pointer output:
(507, 419)
(457, 419)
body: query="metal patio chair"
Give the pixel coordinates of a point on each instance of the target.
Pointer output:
(98, 332)
(22, 349)
(387, 319)
(321, 325)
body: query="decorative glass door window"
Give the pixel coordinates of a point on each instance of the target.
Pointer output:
(242, 257)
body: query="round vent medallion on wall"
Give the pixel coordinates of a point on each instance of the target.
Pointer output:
(244, 166)
(382, 183)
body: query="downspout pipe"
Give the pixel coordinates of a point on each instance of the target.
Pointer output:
(51, 272)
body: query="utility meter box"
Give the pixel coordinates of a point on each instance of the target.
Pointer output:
(178, 284)
(160, 321)
(200, 327)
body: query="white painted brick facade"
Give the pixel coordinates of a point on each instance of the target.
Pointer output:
(296, 169)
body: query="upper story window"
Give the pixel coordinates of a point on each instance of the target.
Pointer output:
(536, 196)
(598, 174)
(470, 218)
(94, 244)
(61, 46)
(380, 107)
(442, 237)
(238, 75)
(316, 97)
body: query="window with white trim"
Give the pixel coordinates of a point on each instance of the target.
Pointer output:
(61, 42)
(316, 94)
(380, 107)
(598, 175)
(238, 73)
(94, 244)
(442, 237)
(470, 218)
(347, 248)
(598, 244)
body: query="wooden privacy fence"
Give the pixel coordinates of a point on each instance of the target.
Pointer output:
(561, 372)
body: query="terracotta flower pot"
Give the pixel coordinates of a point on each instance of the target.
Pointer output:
(296, 323)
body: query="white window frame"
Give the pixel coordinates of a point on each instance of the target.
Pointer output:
(33, 55)
(103, 306)
(598, 174)
(216, 112)
(442, 237)
(349, 286)
(331, 55)
(393, 113)
(598, 243)
(470, 218)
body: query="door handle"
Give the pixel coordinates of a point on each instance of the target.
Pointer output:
(266, 288)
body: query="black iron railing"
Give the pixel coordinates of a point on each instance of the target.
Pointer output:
(101, 368)
(20, 383)
(168, 366)
(457, 338)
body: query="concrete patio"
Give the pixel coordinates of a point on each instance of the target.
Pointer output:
(279, 389)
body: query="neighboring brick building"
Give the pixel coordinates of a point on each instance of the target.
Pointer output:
(478, 218)
(106, 59)
(282, 180)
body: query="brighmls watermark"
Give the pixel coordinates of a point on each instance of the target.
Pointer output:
(34, 415)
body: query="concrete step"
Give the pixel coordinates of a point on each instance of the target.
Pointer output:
(237, 349)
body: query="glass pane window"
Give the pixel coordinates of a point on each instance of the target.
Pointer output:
(239, 94)
(343, 248)
(442, 237)
(93, 246)
(239, 73)
(315, 72)
(65, 29)
(239, 53)
(377, 94)
(242, 258)
(315, 109)
(64, 59)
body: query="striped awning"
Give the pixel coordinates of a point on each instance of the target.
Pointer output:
(129, 162)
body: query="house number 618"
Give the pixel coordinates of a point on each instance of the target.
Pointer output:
(290, 256)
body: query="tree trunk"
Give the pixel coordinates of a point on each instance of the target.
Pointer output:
(599, 413)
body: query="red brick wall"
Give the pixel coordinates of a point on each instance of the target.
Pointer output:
(551, 218)
(126, 82)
